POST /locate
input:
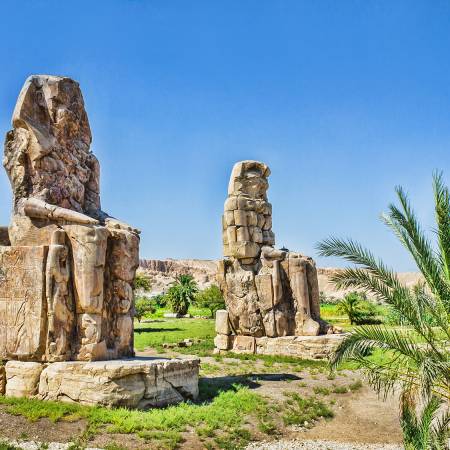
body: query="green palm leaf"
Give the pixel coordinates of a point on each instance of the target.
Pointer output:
(416, 358)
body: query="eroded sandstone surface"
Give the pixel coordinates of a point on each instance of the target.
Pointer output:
(268, 292)
(67, 266)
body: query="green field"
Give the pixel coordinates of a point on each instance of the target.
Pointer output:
(156, 330)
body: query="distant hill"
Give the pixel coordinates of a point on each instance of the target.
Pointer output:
(163, 272)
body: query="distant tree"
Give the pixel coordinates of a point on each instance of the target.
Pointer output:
(210, 298)
(160, 300)
(182, 294)
(142, 281)
(142, 307)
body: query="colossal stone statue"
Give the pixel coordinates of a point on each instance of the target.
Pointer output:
(67, 266)
(268, 292)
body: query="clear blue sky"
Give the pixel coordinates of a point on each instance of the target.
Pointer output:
(342, 99)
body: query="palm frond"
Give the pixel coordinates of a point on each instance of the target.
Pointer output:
(406, 227)
(442, 209)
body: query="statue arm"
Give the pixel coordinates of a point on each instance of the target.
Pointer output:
(36, 208)
(111, 222)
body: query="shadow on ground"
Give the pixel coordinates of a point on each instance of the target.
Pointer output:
(155, 330)
(211, 387)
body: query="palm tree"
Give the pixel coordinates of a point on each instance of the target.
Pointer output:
(351, 306)
(182, 294)
(417, 356)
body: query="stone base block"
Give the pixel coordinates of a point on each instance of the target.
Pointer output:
(22, 378)
(306, 347)
(134, 383)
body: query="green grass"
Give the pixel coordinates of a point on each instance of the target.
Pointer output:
(226, 412)
(330, 313)
(340, 390)
(356, 386)
(322, 390)
(6, 446)
(304, 410)
(154, 334)
(270, 360)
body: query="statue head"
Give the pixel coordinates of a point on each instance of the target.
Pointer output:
(247, 219)
(47, 154)
(249, 178)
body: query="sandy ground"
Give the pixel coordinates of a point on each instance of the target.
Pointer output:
(362, 421)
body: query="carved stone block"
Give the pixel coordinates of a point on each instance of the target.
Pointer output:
(244, 344)
(222, 323)
(22, 378)
(22, 302)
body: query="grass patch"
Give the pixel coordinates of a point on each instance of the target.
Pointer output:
(304, 411)
(340, 390)
(356, 386)
(322, 390)
(226, 412)
(208, 369)
(296, 364)
(171, 331)
(6, 446)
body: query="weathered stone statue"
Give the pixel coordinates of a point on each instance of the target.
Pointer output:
(69, 268)
(268, 292)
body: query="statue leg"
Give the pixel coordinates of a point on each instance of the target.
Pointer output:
(305, 324)
(89, 252)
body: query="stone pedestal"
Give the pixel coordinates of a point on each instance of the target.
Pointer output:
(134, 383)
(305, 347)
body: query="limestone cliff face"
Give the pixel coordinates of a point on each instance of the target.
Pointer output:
(163, 272)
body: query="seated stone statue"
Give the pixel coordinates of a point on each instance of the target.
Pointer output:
(66, 267)
(268, 292)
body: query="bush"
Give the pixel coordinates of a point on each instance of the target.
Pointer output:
(142, 281)
(160, 300)
(358, 309)
(143, 306)
(210, 298)
(368, 315)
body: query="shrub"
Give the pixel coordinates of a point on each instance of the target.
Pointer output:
(210, 298)
(351, 306)
(160, 300)
(143, 306)
(142, 281)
